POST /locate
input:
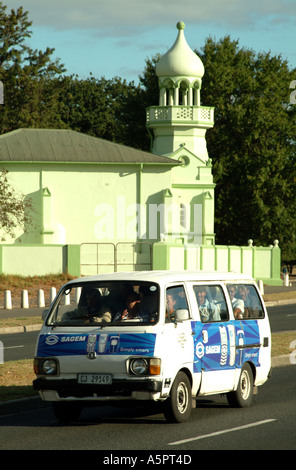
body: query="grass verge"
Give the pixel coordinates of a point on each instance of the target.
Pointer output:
(16, 377)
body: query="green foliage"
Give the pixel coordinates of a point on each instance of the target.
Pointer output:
(30, 96)
(95, 106)
(252, 143)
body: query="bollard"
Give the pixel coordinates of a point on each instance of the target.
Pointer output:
(286, 280)
(1, 353)
(77, 294)
(7, 300)
(24, 299)
(52, 294)
(261, 287)
(40, 298)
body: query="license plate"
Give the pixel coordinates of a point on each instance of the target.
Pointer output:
(95, 379)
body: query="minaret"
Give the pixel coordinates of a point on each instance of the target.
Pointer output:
(177, 127)
(179, 119)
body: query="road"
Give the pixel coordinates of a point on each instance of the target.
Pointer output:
(268, 424)
(282, 318)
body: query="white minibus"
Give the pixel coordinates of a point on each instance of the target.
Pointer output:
(157, 336)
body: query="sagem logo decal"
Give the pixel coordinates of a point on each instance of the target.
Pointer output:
(51, 340)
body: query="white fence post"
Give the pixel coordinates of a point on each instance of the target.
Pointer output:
(40, 298)
(7, 300)
(77, 294)
(1, 353)
(52, 294)
(24, 299)
(286, 280)
(261, 287)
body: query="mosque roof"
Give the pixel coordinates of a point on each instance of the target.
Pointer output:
(65, 145)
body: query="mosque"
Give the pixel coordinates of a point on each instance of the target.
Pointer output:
(103, 207)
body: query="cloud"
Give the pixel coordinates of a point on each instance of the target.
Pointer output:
(123, 18)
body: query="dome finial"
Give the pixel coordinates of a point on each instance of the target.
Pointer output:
(180, 25)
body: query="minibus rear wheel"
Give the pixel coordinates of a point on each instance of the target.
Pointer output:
(242, 397)
(178, 406)
(66, 412)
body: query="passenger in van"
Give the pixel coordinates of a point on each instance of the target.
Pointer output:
(116, 300)
(91, 312)
(237, 304)
(132, 310)
(252, 307)
(171, 303)
(209, 311)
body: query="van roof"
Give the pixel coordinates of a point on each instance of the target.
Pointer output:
(163, 277)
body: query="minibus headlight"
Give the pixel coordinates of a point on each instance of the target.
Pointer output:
(139, 366)
(49, 367)
(45, 366)
(144, 366)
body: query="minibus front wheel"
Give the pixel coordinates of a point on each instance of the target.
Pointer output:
(242, 397)
(178, 405)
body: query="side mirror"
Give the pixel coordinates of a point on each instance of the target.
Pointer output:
(182, 314)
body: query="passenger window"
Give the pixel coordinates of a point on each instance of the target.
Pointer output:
(245, 301)
(175, 299)
(211, 303)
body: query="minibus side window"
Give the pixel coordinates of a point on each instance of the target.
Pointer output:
(175, 299)
(245, 301)
(211, 303)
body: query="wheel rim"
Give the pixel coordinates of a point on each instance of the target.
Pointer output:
(245, 385)
(182, 398)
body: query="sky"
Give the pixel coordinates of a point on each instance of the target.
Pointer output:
(108, 38)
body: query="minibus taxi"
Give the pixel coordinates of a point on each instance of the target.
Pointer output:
(158, 336)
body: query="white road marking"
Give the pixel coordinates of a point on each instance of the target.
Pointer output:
(224, 431)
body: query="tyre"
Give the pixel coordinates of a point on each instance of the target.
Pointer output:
(179, 404)
(66, 412)
(243, 396)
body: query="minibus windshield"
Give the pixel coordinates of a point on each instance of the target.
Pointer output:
(106, 303)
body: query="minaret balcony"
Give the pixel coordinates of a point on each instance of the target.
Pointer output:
(202, 116)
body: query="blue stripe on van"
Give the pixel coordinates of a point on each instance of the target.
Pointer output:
(80, 344)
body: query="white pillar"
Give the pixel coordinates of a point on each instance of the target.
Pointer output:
(25, 299)
(52, 294)
(261, 287)
(40, 298)
(77, 294)
(176, 96)
(7, 300)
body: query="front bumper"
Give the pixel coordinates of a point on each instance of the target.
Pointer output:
(119, 390)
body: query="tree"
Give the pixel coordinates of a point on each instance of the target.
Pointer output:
(15, 210)
(252, 144)
(95, 106)
(30, 99)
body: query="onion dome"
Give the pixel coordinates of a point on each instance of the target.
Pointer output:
(180, 60)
